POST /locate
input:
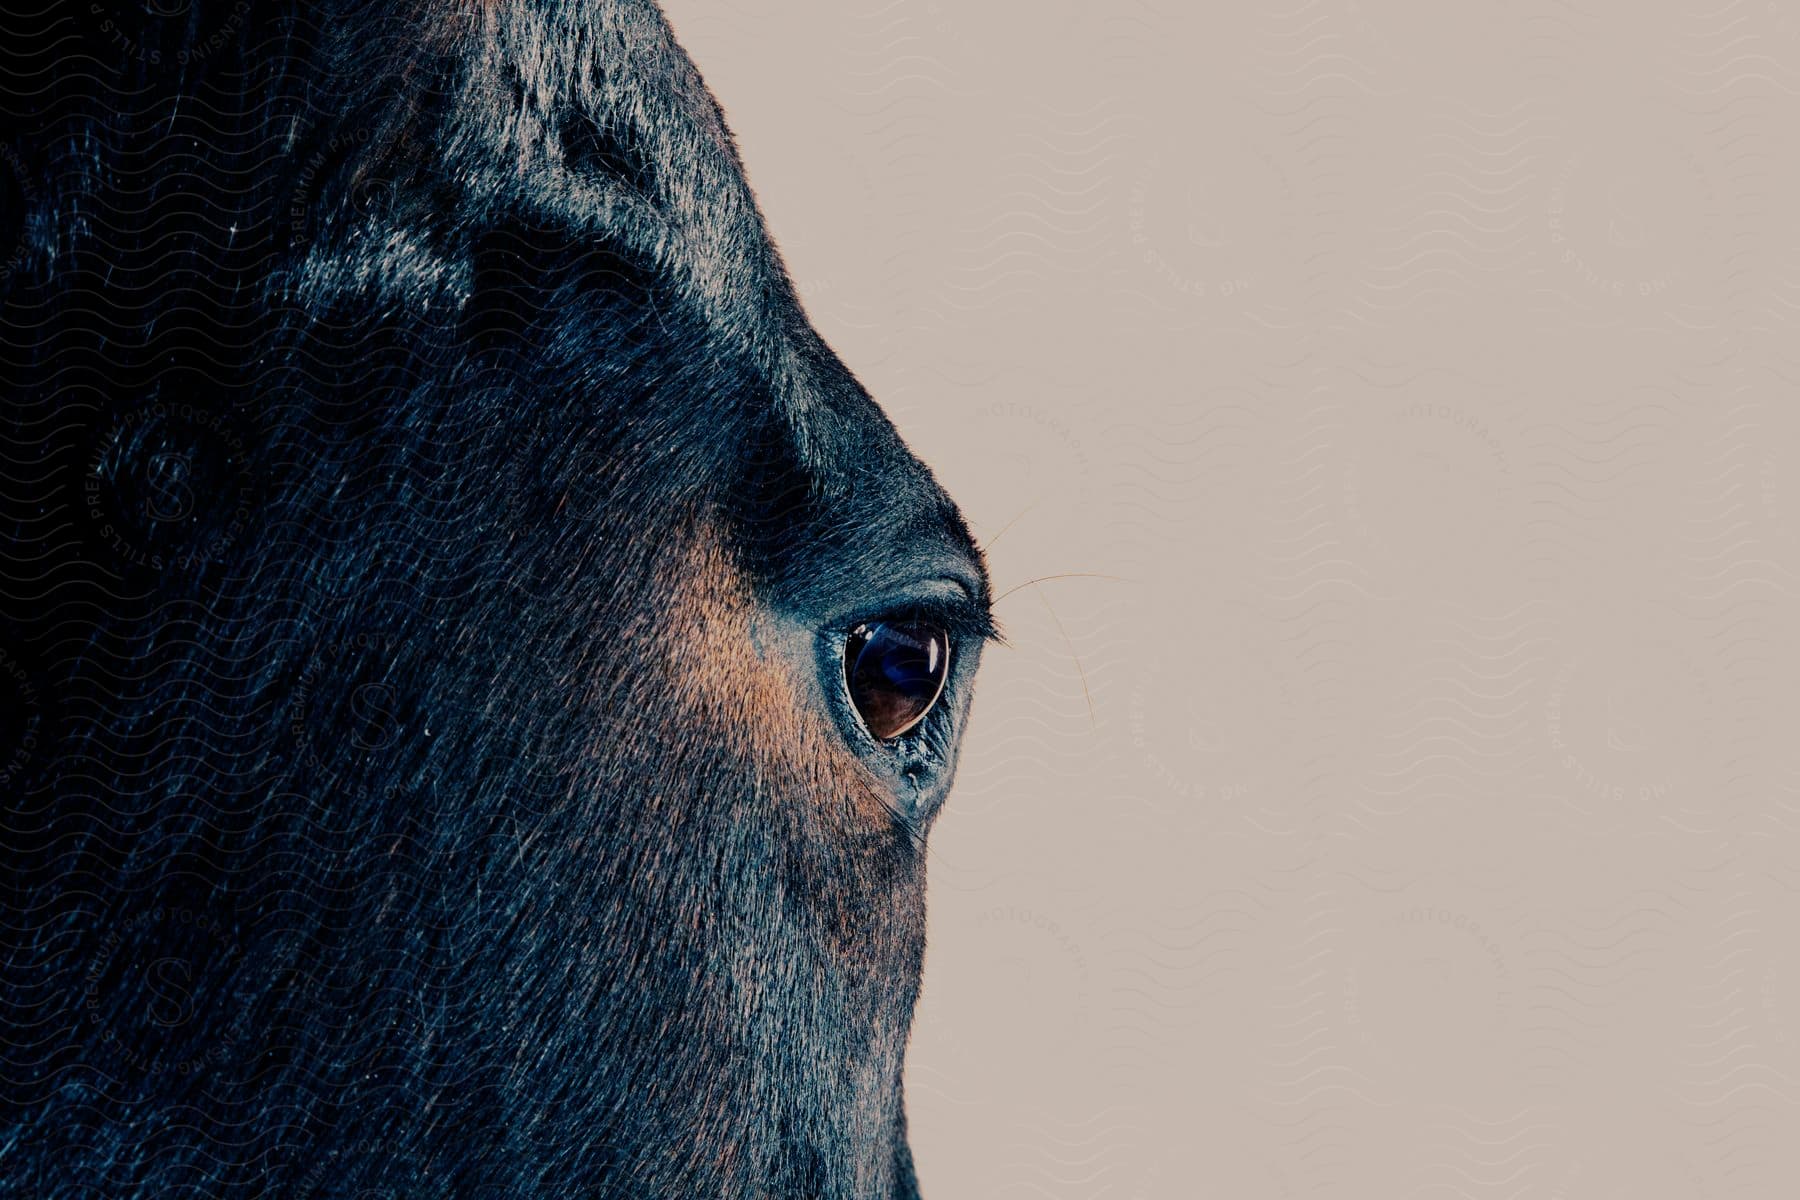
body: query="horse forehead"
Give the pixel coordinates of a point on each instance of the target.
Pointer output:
(854, 498)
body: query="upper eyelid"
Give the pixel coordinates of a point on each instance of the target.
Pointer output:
(961, 615)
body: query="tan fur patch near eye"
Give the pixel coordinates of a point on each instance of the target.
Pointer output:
(807, 796)
(754, 701)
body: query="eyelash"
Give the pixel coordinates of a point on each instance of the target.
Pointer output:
(962, 620)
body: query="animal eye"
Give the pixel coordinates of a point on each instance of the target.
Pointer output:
(896, 671)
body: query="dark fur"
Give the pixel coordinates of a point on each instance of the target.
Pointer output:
(432, 777)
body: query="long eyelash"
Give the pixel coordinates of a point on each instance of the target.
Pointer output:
(965, 620)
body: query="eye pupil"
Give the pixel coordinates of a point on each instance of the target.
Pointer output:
(896, 670)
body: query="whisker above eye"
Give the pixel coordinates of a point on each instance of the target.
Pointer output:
(1065, 575)
(989, 544)
(1080, 671)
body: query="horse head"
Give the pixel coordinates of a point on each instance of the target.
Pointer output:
(505, 667)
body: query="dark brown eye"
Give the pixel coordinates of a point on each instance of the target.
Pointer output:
(896, 671)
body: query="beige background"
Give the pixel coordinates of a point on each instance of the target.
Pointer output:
(1401, 798)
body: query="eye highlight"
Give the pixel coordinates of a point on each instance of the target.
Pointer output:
(895, 671)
